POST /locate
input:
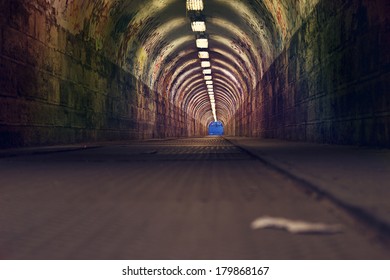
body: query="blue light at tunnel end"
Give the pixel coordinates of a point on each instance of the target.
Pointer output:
(216, 128)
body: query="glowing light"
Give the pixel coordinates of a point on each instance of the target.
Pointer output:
(209, 82)
(209, 86)
(207, 71)
(198, 26)
(203, 55)
(205, 64)
(195, 5)
(202, 43)
(207, 77)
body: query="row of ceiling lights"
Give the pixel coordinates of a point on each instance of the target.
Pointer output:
(198, 25)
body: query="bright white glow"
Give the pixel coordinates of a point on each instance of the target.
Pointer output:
(198, 26)
(207, 71)
(203, 55)
(195, 5)
(205, 64)
(209, 86)
(207, 77)
(209, 82)
(202, 43)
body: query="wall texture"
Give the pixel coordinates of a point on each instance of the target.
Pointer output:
(331, 82)
(58, 87)
(81, 71)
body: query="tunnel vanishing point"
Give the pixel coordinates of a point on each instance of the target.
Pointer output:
(302, 70)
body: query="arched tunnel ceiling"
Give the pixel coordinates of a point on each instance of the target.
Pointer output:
(153, 40)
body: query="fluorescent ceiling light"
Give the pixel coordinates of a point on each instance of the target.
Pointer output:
(207, 71)
(209, 86)
(205, 64)
(203, 55)
(202, 43)
(198, 26)
(207, 77)
(209, 82)
(195, 5)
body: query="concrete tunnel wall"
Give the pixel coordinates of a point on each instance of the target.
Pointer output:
(331, 82)
(78, 71)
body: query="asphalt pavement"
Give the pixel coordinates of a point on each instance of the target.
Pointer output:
(196, 198)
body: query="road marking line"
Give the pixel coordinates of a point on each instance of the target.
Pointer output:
(295, 226)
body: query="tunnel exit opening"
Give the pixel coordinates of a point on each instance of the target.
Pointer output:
(216, 128)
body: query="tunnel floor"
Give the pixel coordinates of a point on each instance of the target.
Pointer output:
(176, 199)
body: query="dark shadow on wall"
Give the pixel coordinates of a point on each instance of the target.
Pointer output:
(331, 83)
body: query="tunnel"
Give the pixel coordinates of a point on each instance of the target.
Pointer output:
(82, 71)
(141, 129)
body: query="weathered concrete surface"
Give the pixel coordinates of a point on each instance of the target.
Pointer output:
(57, 86)
(179, 199)
(330, 84)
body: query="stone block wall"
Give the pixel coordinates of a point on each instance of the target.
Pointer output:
(57, 87)
(330, 84)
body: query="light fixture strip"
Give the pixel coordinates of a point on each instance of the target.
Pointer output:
(195, 5)
(207, 71)
(198, 26)
(202, 43)
(203, 55)
(205, 64)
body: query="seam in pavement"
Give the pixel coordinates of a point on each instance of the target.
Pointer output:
(359, 213)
